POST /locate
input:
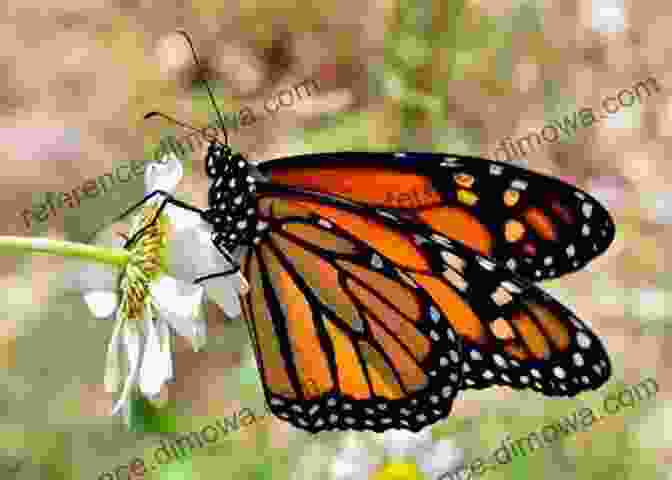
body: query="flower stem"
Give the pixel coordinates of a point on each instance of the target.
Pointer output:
(108, 255)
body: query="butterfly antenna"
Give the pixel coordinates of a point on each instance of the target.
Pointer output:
(205, 82)
(185, 125)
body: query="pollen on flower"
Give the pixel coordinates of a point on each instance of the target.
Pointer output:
(144, 263)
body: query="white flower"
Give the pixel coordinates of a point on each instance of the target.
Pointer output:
(194, 253)
(154, 292)
(407, 456)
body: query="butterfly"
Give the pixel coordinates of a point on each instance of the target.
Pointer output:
(382, 284)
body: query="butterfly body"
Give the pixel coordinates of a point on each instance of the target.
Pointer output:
(231, 199)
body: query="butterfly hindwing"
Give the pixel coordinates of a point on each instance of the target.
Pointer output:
(523, 338)
(537, 226)
(344, 339)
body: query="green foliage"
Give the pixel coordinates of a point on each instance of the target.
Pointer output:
(146, 418)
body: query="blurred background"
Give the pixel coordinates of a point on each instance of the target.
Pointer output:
(454, 76)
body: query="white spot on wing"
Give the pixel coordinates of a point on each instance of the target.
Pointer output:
(455, 262)
(376, 261)
(450, 162)
(500, 361)
(519, 184)
(387, 215)
(511, 287)
(496, 169)
(442, 240)
(583, 340)
(485, 263)
(578, 359)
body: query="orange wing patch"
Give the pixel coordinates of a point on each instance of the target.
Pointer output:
(370, 185)
(320, 238)
(390, 243)
(541, 224)
(501, 329)
(351, 379)
(402, 328)
(460, 225)
(397, 295)
(459, 313)
(552, 325)
(532, 336)
(322, 278)
(412, 376)
(382, 377)
(269, 347)
(309, 357)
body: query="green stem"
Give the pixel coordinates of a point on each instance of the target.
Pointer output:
(108, 255)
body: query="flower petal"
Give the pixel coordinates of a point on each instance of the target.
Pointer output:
(181, 304)
(82, 275)
(134, 350)
(155, 368)
(444, 456)
(402, 443)
(191, 253)
(354, 461)
(224, 291)
(101, 303)
(164, 175)
(112, 366)
(165, 340)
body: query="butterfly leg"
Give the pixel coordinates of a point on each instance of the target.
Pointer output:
(131, 209)
(234, 269)
(137, 205)
(169, 199)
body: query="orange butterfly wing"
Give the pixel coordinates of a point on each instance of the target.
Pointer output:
(332, 280)
(343, 337)
(537, 226)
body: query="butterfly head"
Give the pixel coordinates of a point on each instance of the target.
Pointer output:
(218, 160)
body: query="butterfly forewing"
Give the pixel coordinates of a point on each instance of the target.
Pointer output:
(536, 225)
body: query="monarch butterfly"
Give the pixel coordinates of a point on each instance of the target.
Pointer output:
(369, 312)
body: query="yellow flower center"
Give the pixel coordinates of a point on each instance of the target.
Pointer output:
(399, 471)
(146, 261)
